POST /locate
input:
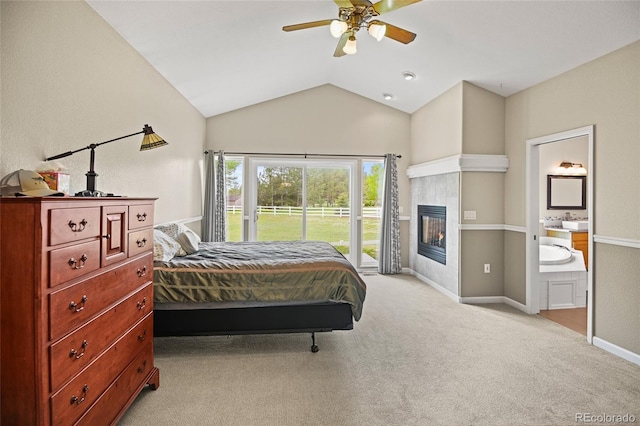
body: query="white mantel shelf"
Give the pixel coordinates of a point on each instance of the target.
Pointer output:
(460, 163)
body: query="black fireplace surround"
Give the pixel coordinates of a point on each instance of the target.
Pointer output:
(432, 227)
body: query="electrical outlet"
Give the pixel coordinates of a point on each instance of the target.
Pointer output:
(487, 268)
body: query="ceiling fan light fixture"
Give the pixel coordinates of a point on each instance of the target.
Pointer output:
(337, 28)
(377, 31)
(350, 47)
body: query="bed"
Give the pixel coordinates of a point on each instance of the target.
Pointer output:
(257, 287)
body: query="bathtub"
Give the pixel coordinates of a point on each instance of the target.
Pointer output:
(563, 275)
(555, 255)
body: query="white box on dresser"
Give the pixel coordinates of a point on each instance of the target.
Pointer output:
(76, 308)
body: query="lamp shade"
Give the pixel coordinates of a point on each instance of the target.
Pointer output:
(337, 28)
(377, 31)
(350, 47)
(151, 140)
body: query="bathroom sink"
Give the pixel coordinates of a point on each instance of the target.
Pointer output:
(575, 225)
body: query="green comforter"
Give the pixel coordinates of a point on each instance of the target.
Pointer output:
(283, 271)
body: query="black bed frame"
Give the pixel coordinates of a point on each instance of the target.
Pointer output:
(312, 318)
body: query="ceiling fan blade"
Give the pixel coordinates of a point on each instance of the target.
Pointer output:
(343, 40)
(397, 33)
(384, 6)
(343, 3)
(307, 25)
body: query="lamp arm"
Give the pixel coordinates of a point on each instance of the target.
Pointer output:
(92, 147)
(113, 140)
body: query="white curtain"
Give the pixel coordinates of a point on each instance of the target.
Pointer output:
(213, 222)
(389, 259)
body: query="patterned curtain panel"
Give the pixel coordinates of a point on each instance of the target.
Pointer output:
(209, 198)
(389, 259)
(220, 216)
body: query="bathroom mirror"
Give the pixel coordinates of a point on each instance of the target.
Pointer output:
(566, 192)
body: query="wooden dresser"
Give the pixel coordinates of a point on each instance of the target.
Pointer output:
(76, 295)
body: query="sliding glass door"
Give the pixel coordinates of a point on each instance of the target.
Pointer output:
(303, 200)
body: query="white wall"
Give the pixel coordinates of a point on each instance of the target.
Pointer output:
(69, 80)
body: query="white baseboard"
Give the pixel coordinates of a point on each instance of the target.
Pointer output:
(617, 350)
(468, 300)
(435, 285)
(516, 304)
(479, 300)
(494, 299)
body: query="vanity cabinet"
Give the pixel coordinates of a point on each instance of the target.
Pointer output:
(76, 308)
(579, 241)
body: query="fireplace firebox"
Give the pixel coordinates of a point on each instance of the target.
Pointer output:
(432, 226)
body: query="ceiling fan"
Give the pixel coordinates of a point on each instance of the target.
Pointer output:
(354, 15)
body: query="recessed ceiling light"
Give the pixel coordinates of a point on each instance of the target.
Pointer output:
(387, 96)
(408, 75)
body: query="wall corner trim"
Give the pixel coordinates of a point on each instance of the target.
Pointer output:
(491, 227)
(616, 350)
(460, 163)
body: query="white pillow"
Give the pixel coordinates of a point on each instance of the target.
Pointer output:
(189, 241)
(172, 229)
(164, 247)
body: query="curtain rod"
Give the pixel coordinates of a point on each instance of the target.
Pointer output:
(304, 155)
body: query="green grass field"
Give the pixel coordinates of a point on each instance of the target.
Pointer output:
(282, 227)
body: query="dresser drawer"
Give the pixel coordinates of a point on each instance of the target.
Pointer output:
(140, 216)
(140, 241)
(72, 306)
(105, 410)
(72, 262)
(75, 224)
(77, 350)
(68, 404)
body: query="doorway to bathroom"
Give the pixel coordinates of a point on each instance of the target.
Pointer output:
(560, 288)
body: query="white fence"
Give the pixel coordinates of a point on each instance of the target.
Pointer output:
(375, 212)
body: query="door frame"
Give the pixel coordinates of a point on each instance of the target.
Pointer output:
(533, 218)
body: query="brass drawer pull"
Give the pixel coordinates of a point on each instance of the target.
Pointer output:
(143, 304)
(142, 272)
(75, 354)
(142, 217)
(142, 242)
(73, 306)
(142, 336)
(78, 401)
(78, 227)
(78, 265)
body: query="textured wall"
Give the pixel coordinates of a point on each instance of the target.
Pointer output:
(605, 93)
(69, 80)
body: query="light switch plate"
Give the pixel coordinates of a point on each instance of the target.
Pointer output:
(470, 214)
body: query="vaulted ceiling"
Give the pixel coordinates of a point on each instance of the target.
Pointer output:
(226, 55)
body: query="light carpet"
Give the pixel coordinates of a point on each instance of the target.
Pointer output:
(415, 358)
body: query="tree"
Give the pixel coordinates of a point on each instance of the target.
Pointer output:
(233, 172)
(373, 186)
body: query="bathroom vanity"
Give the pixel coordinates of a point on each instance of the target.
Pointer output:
(579, 239)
